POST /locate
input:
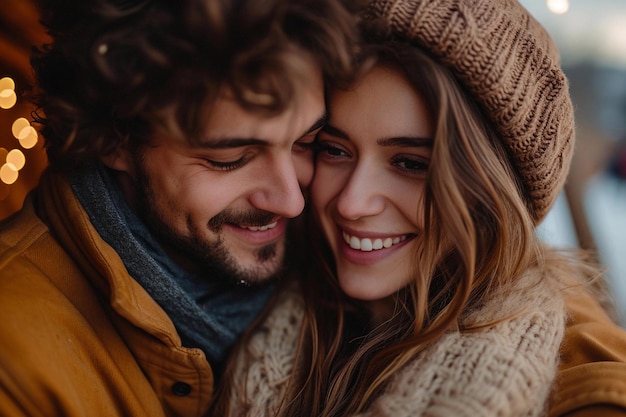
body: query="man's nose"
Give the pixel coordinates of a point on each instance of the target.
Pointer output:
(279, 190)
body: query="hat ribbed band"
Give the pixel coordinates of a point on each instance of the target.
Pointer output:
(509, 64)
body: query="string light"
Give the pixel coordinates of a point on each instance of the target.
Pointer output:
(11, 162)
(4, 188)
(7, 83)
(8, 173)
(28, 137)
(18, 125)
(8, 98)
(24, 133)
(16, 158)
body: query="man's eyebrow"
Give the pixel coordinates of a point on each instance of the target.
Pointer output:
(234, 142)
(223, 143)
(414, 141)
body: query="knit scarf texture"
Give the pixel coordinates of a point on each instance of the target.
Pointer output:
(208, 312)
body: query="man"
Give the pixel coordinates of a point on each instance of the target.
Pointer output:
(178, 135)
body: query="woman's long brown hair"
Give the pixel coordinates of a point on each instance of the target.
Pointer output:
(477, 236)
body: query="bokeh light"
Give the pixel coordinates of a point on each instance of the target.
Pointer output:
(11, 162)
(558, 6)
(24, 132)
(8, 98)
(19, 125)
(28, 137)
(8, 173)
(16, 158)
(7, 83)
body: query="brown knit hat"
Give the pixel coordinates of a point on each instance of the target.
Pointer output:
(509, 64)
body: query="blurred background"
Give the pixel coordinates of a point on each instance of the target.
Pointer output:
(590, 213)
(21, 151)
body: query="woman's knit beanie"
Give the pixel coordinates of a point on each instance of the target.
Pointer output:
(509, 64)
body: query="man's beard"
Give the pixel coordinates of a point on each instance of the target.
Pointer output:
(214, 258)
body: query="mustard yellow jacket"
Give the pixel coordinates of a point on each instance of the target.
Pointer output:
(78, 336)
(592, 378)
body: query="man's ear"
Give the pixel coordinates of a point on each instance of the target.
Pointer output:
(119, 160)
(122, 164)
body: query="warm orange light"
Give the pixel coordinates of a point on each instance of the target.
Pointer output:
(7, 98)
(19, 125)
(29, 139)
(7, 83)
(8, 173)
(16, 158)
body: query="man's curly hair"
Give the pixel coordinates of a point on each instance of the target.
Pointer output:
(119, 69)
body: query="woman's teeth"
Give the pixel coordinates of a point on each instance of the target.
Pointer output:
(261, 228)
(368, 245)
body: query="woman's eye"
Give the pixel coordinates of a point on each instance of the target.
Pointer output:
(410, 164)
(333, 151)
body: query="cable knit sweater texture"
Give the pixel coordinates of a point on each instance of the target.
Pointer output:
(504, 370)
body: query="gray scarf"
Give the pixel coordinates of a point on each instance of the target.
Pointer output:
(208, 313)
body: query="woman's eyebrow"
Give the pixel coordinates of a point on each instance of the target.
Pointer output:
(415, 141)
(335, 131)
(320, 122)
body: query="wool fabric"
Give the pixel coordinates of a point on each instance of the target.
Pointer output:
(504, 369)
(510, 66)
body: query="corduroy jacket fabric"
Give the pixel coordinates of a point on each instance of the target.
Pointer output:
(78, 336)
(592, 374)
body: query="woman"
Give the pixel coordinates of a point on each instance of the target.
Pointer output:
(431, 294)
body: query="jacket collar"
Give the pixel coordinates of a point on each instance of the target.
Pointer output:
(123, 257)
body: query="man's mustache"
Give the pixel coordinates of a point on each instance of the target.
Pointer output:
(251, 218)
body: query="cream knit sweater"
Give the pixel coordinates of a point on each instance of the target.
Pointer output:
(505, 370)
